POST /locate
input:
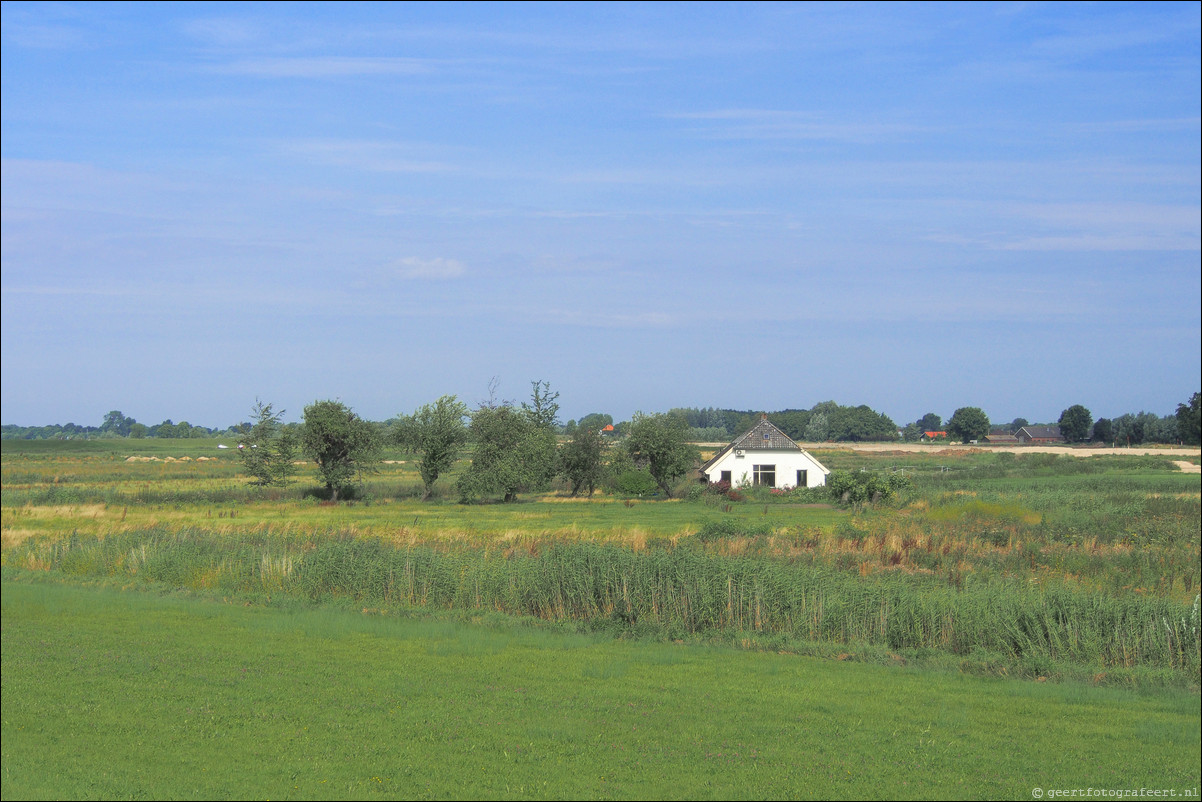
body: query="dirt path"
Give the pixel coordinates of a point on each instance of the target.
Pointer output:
(1187, 467)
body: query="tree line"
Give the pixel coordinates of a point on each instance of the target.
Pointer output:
(515, 447)
(827, 421)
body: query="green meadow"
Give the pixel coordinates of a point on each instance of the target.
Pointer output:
(115, 694)
(1009, 622)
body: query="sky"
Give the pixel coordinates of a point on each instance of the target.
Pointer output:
(759, 207)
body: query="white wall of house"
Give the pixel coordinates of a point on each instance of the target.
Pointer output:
(785, 465)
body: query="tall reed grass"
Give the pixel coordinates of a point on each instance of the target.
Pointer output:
(674, 591)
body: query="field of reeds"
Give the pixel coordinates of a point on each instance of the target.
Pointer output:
(1037, 565)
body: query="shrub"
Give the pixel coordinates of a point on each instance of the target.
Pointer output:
(856, 488)
(635, 483)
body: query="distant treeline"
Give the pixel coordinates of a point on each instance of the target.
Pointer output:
(72, 431)
(826, 421)
(822, 422)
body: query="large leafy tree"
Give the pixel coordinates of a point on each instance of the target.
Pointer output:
(968, 423)
(343, 445)
(437, 433)
(1075, 423)
(582, 460)
(658, 441)
(515, 448)
(862, 423)
(930, 422)
(510, 456)
(117, 423)
(1189, 420)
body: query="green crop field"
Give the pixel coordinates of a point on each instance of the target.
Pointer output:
(1008, 622)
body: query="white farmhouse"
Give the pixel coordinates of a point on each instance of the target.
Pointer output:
(765, 456)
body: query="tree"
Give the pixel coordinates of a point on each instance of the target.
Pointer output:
(543, 414)
(268, 447)
(595, 420)
(818, 429)
(1103, 431)
(582, 460)
(1075, 423)
(343, 445)
(116, 423)
(514, 448)
(542, 409)
(436, 432)
(930, 422)
(1161, 430)
(1017, 424)
(968, 423)
(658, 441)
(862, 423)
(1132, 430)
(1189, 420)
(510, 454)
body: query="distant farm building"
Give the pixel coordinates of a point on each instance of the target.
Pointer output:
(1001, 439)
(1039, 434)
(934, 435)
(765, 456)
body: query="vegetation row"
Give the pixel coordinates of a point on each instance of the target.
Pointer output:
(672, 591)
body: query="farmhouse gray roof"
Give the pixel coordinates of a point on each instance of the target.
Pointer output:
(764, 436)
(1040, 432)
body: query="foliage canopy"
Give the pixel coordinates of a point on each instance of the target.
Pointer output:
(436, 432)
(968, 423)
(343, 445)
(658, 441)
(1076, 422)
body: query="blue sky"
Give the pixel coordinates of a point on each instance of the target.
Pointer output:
(916, 208)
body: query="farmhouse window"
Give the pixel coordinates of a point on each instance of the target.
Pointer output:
(802, 476)
(725, 477)
(764, 475)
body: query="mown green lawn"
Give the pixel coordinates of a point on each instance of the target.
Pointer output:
(136, 694)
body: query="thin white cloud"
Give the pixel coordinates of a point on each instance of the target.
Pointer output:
(411, 267)
(377, 157)
(223, 31)
(44, 37)
(1137, 126)
(1101, 242)
(326, 67)
(783, 124)
(617, 320)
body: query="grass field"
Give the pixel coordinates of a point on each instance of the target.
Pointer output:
(135, 695)
(1010, 622)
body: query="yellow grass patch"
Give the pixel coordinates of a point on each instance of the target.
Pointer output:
(14, 537)
(65, 511)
